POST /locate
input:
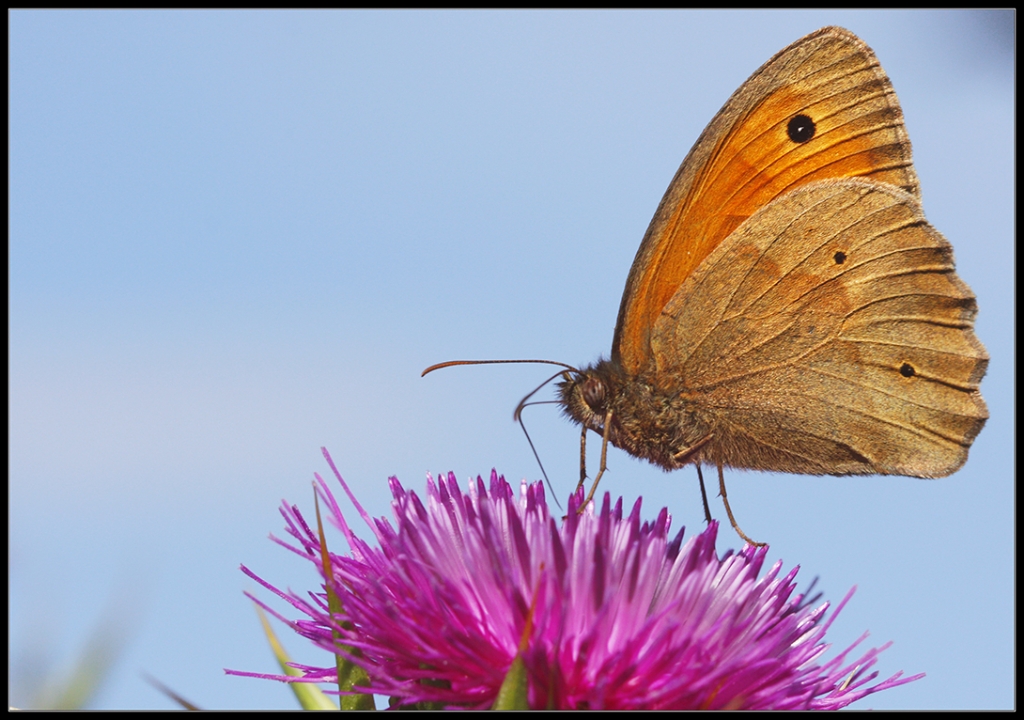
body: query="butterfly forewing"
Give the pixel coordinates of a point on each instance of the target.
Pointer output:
(748, 157)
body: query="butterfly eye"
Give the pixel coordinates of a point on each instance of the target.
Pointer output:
(800, 129)
(593, 393)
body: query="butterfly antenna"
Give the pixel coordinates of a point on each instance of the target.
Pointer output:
(547, 482)
(523, 403)
(518, 417)
(518, 414)
(452, 363)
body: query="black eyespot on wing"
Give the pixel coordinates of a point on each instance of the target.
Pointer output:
(907, 370)
(800, 129)
(839, 257)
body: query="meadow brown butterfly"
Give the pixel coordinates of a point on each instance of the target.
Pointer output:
(790, 308)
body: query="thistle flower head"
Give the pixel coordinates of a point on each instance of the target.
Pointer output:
(604, 610)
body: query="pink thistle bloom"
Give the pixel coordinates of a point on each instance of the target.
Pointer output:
(610, 612)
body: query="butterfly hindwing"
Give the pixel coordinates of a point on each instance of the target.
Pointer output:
(832, 315)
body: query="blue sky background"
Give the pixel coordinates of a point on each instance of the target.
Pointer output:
(238, 237)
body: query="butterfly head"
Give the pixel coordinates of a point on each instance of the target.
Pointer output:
(655, 424)
(587, 395)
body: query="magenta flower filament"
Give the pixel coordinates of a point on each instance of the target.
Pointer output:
(607, 611)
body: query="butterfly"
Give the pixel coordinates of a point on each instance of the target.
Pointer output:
(790, 308)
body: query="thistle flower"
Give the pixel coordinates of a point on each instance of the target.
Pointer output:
(603, 611)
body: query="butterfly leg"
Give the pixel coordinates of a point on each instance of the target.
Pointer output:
(583, 458)
(684, 456)
(725, 500)
(604, 459)
(703, 495)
